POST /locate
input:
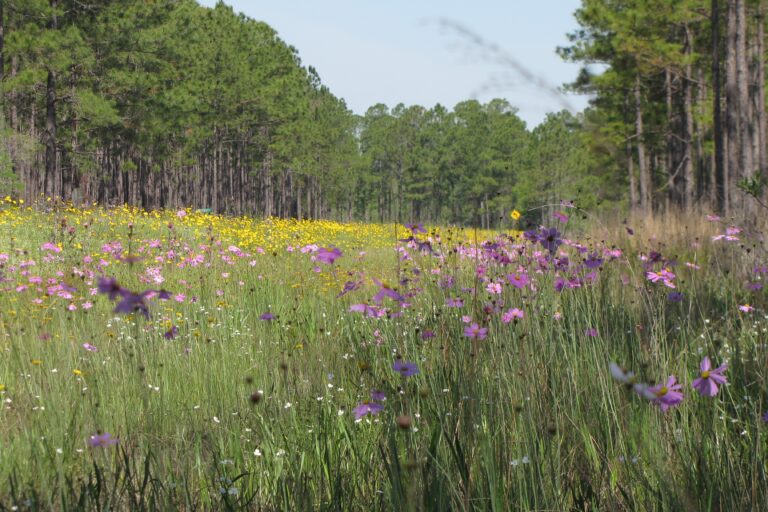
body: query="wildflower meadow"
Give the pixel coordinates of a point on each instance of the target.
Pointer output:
(181, 360)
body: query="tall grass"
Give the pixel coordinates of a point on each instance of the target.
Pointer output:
(236, 412)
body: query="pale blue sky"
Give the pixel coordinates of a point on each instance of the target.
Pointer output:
(393, 51)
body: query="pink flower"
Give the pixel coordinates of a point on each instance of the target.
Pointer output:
(494, 288)
(667, 395)
(89, 347)
(474, 331)
(665, 276)
(746, 308)
(72, 307)
(48, 246)
(512, 315)
(706, 383)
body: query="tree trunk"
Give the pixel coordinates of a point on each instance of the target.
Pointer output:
(718, 197)
(633, 200)
(732, 104)
(642, 162)
(52, 177)
(2, 41)
(762, 117)
(743, 81)
(688, 170)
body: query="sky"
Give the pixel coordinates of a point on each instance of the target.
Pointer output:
(421, 52)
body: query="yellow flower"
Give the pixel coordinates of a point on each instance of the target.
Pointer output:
(2, 387)
(77, 372)
(36, 362)
(514, 214)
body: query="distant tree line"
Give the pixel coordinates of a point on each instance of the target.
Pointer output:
(679, 105)
(165, 103)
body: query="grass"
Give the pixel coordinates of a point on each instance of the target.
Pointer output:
(237, 413)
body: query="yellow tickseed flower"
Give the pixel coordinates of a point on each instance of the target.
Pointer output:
(77, 372)
(36, 362)
(514, 214)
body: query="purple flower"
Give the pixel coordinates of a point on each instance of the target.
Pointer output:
(101, 440)
(454, 303)
(416, 228)
(109, 286)
(90, 348)
(765, 417)
(349, 286)
(474, 331)
(131, 303)
(377, 396)
(328, 255)
(370, 311)
(675, 296)
(427, 335)
(667, 395)
(171, 333)
(267, 316)
(367, 408)
(385, 291)
(708, 380)
(593, 260)
(561, 217)
(405, 368)
(550, 239)
(518, 280)
(591, 332)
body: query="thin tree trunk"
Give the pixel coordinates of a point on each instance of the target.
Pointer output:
(2, 41)
(733, 125)
(762, 117)
(633, 199)
(51, 169)
(719, 172)
(642, 163)
(743, 80)
(688, 172)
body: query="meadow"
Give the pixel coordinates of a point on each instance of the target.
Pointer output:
(176, 360)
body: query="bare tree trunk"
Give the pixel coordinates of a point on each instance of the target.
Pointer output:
(642, 162)
(719, 172)
(743, 81)
(688, 172)
(762, 117)
(633, 199)
(733, 125)
(2, 41)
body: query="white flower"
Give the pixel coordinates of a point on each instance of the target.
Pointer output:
(257, 452)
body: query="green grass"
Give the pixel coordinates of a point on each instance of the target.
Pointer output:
(527, 419)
